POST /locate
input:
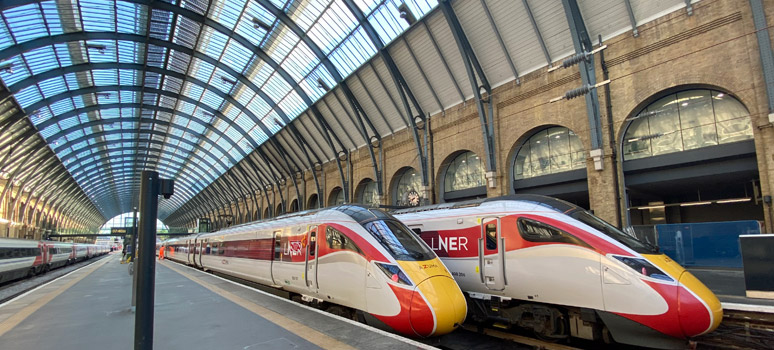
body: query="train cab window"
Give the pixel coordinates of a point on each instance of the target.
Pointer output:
(399, 240)
(536, 231)
(338, 240)
(491, 236)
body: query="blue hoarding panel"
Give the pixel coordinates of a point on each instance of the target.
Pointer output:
(710, 244)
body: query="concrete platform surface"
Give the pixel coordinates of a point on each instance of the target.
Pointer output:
(90, 309)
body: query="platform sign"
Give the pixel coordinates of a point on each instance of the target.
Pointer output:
(204, 225)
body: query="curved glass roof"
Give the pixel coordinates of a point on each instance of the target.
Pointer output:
(185, 88)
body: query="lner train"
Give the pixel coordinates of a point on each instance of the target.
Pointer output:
(351, 260)
(20, 258)
(547, 265)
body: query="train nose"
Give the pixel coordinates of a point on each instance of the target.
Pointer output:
(699, 310)
(437, 307)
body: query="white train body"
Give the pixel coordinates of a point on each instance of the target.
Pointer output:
(333, 256)
(533, 253)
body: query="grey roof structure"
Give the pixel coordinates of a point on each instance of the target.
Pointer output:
(230, 96)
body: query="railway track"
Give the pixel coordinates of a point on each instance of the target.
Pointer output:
(13, 289)
(741, 330)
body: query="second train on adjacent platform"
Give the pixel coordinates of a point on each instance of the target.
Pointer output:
(20, 258)
(547, 265)
(349, 259)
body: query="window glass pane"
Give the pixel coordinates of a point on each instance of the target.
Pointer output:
(409, 181)
(733, 119)
(664, 126)
(559, 145)
(464, 172)
(539, 154)
(696, 119)
(636, 144)
(577, 153)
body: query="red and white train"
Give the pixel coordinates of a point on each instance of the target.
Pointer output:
(352, 260)
(21, 258)
(547, 265)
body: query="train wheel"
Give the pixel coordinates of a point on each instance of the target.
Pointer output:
(340, 311)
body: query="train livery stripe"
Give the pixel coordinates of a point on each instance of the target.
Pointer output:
(22, 315)
(292, 326)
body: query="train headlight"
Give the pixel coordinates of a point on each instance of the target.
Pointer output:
(644, 267)
(394, 273)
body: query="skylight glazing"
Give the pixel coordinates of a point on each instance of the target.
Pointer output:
(229, 81)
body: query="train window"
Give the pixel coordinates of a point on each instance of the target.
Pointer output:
(312, 244)
(338, 240)
(491, 236)
(277, 246)
(399, 240)
(614, 233)
(536, 231)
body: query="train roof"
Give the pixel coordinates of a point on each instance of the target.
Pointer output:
(360, 213)
(544, 201)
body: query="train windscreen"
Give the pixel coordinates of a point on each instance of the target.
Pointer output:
(399, 240)
(613, 232)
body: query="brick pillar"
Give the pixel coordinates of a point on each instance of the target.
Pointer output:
(602, 190)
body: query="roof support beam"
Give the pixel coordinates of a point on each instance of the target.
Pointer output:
(500, 40)
(475, 74)
(537, 32)
(582, 43)
(632, 19)
(413, 116)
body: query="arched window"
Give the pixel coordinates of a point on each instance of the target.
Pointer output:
(464, 172)
(294, 206)
(279, 210)
(336, 197)
(684, 121)
(409, 181)
(549, 151)
(313, 202)
(367, 193)
(266, 213)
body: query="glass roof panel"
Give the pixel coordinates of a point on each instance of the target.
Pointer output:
(25, 22)
(227, 12)
(98, 15)
(130, 17)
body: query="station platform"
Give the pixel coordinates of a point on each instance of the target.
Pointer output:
(729, 286)
(90, 308)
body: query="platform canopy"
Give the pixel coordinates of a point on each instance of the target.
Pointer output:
(230, 97)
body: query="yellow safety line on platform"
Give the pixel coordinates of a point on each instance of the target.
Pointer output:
(20, 316)
(299, 329)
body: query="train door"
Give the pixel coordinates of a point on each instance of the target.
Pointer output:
(277, 253)
(202, 247)
(491, 254)
(190, 251)
(311, 259)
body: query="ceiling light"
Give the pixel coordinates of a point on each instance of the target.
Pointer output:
(99, 47)
(258, 24)
(7, 67)
(736, 200)
(322, 85)
(406, 14)
(690, 204)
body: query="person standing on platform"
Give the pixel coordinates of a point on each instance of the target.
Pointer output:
(161, 253)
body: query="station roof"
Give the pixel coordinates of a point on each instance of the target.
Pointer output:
(240, 94)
